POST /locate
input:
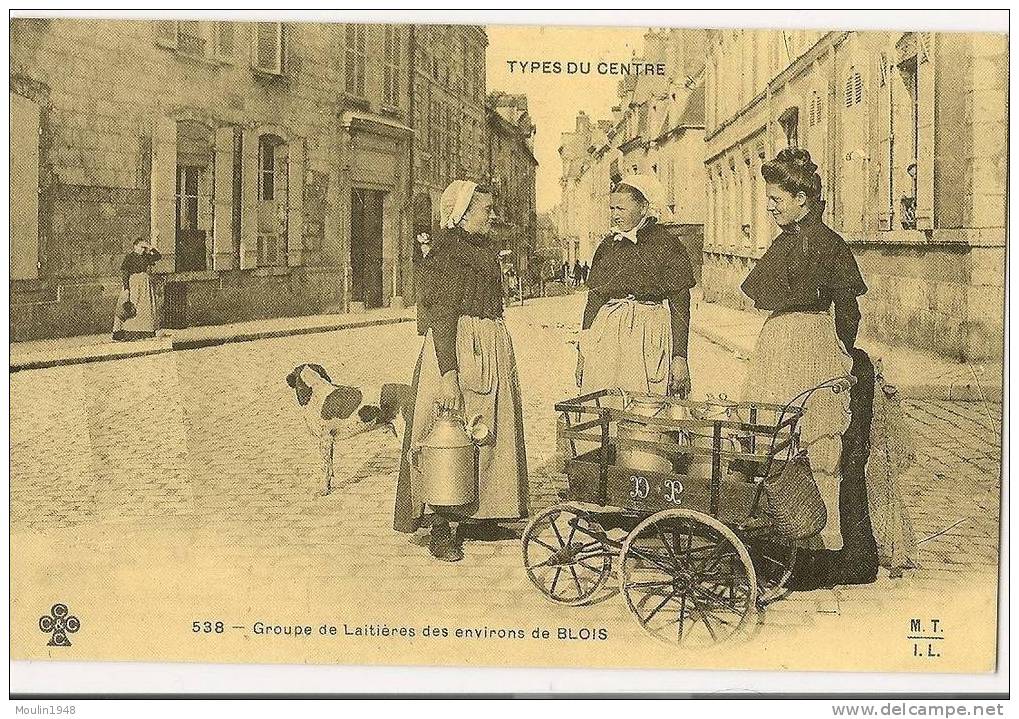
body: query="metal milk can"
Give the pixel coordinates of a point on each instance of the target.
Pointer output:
(720, 408)
(447, 460)
(636, 458)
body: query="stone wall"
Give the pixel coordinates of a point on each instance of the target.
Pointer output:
(945, 299)
(65, 308)
(103, 91)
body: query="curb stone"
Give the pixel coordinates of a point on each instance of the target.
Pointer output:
(176, 345)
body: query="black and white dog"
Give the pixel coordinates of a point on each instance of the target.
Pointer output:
(338, 413)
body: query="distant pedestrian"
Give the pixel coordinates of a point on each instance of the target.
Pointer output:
(564, 273)
(585, 269)
(135, 317)
(576, 273)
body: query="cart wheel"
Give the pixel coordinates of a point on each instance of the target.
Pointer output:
(564, 554)
(687, 578)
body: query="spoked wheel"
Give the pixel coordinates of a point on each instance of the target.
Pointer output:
(687, 578)
(565, 556)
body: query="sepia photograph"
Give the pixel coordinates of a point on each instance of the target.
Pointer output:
(506, 345)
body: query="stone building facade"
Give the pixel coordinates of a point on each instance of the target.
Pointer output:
(657, 128)
(908, 132)
(448, 96)
(275, 166)
(511, 167)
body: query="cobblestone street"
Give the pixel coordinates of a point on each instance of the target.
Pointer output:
(183, 486)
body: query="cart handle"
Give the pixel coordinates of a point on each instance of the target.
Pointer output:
(841, 383)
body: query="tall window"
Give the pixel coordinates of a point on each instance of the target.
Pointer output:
(187, 197)
(357, 56)
(391, 70)
(267, 167)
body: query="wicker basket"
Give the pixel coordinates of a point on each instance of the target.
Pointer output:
(794, 501)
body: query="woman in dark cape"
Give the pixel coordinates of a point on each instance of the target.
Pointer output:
(466, 365)
(809, 281)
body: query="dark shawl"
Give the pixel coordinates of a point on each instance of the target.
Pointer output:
(806, 266)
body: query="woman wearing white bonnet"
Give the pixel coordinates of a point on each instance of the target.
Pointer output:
(466, 365)
(636, 324)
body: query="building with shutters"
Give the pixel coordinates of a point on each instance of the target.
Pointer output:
(657, 128)
(274, 165)
(448, 100)
(510, 169)
(907, 130)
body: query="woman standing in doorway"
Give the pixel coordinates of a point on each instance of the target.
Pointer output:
(637, 319)
(466, 365)
(809, 281)
(135, 316)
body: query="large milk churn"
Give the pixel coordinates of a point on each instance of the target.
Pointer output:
(720, 408)
(637, 458)
(447, 460)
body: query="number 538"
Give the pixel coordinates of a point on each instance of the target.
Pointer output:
(207, 627)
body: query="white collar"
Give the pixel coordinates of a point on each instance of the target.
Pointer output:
(630, 234)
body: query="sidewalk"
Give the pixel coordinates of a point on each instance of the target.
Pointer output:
(40, 354)
(915, 373)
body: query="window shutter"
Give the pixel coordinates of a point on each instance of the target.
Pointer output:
(249, 199)
(165, 32)
(24, 188)
(267, 47)
(295, 201)
(223, 191)
(925, 132)
(162, 190)
(883, 160)
(225, 33)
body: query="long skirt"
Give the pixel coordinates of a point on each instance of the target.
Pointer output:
(629, 346)
(491, 389)
(141, 293)
(796, 351)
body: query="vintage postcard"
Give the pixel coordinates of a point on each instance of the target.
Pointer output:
(515, 346)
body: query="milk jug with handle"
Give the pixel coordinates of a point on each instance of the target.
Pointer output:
(447, 460)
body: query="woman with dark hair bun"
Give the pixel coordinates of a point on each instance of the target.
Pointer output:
(809, 281)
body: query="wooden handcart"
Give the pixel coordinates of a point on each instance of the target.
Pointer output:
(691, 537)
